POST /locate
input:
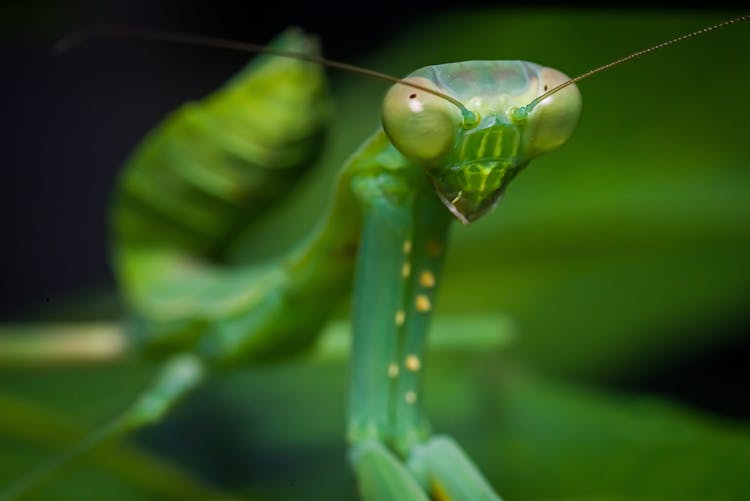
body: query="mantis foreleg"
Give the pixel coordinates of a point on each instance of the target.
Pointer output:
(446, 471)
(400, 255)
(420, 271)
(378, 293)
(381, 475)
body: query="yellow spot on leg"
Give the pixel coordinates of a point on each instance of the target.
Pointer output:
(406, 270)
(400, 317)
(393, 370)
(413, 363)
(427, 279)
(422, 303)
(410, 397)
(407, 246)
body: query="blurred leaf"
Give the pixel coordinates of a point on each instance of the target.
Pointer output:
(140, 472)
(535, 439)
(558, 441)
(276, 432)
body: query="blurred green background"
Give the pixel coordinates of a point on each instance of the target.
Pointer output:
(621, 262)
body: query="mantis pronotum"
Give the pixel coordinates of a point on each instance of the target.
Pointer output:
(422, 303)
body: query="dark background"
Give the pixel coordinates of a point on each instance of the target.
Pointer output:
(54, 197)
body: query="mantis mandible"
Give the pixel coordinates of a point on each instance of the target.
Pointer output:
(396, 276)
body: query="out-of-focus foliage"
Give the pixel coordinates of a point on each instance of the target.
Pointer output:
(614, 257)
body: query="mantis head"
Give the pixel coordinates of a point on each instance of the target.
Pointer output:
(471, 153)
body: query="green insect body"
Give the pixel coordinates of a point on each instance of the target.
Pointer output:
(212, 176)
(211, 167)
(426, 166)
(453, 136)
(392, 208)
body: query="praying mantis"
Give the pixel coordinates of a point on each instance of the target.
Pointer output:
(402, 249)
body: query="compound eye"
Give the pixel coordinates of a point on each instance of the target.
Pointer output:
(553, 120)
(421, 125)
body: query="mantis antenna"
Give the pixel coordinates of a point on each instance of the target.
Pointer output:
(635, 55)
(76, 38)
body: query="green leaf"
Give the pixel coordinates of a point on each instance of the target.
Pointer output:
(562, 441)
